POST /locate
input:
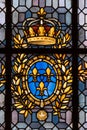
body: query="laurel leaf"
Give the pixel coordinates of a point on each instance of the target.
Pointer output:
(66, 62)
(57, 103)
(65, 101)
(65, 78)
(69, 81)
(80, 67)
(64, 39)
(68, 77)
(70, 92)
(17, 82)
(26, 113)
(16, 40)
(2, 81)
(20, 106)
(63, 68)
(1, 84)
(64, 85)
(3, 71)
(22, 112)
(16, 93)
(63, 107)
(26, 102)
(15, 68)
(81, 78)
(67, 89)
(19, 69)
(22, 56)
(24, 60)
(19, 90)
(62, 97)
(67, 36)
(67, 72)
(85, 64)
(18, 60)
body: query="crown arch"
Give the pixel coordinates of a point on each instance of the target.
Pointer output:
(43, 69)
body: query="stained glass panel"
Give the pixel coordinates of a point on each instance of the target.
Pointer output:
(2, 92)
(82, 20)
(82, 69)
(2, 23)
(42, 91)
(22, 11)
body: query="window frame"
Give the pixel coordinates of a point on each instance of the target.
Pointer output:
(75, 51)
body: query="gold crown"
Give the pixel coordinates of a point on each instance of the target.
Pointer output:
(41, 31)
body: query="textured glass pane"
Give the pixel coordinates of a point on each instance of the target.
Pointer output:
(2, 92)
(2, 23)
(82, 72)
(41, 91)
(59, 9)
(82, 20)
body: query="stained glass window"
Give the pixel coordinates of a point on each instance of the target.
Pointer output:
(43, 65)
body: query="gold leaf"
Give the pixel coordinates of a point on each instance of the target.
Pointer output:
(55, 113)
(80, 67)
(17, 82)
(63, 68)
(26, 113)
(65, 101)
(19, 90)
(3, 81)
(3, 72)
(68, 77)
(1, 84)
(69, 81)
(24, 60)
(70, 92)
(64, 39)
(22, 112)
(57, 103)
(16, 93)
(26, 102)
(67, 72)
(85, 64)
(66, 62)
(19, 69)
(67, 89)
(14, 81)
(67, 36)
(18, 60)
(22, 56)
(62, 97)
(65, 84)
(16, 41)
(20, 106)
(30, 104)
(81, 78)
(65, 78)
(15, 68)
(18, 37)
(63, 107)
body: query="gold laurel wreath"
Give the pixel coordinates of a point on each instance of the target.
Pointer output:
(65, 91)
(21, 101)
(2, 76)
(20, 94)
